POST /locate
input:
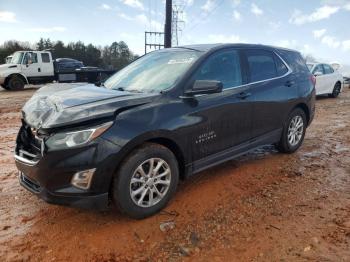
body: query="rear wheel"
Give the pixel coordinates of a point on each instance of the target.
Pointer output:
(293, 132)
(146, 181)
(15, 83)
(336, 90)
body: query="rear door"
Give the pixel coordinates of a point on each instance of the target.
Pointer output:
(46, 64)
(331, 78)
(272, 87)
(223, 120)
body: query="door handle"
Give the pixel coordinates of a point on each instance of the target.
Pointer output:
(39, 69)
(289, 83)
(243, 95)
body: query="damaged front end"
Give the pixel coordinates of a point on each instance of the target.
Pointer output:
(61, 153)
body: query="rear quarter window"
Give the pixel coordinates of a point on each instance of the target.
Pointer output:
(294, 60)
(282, 69)
(45, 57)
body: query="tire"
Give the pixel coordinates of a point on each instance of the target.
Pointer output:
(15, 83)
(123, 187)
(336, 90)
(285, 144)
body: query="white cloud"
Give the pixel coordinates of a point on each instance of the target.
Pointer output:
(347, 7)
(306, 49)
(208, 6)
(48, 29)
(274, 26)
(125, 16)
(133, 3)
(286, 43)
(220, 38)
(346, 45)
(319, 33)
(143, 20)
(189, 2)
(8, 17)
(237, 15)
(105, 7)
(236, 2)
(256, 10)
(330, 41)
(324, 12)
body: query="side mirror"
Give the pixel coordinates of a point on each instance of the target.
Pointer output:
(201, 87)
(318, 73)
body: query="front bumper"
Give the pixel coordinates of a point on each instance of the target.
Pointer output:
(95, 201)
(49, 175)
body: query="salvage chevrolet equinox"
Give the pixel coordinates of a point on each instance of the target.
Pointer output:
(168, 115)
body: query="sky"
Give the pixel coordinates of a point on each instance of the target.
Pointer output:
(316, 27)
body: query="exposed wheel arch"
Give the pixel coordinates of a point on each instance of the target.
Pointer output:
(306, 110)
(156, 139)
(173, 147)
(24, 79)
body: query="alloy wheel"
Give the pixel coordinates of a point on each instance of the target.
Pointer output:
(150, 182)
(295, 130)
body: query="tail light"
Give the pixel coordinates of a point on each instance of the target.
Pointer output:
(313, 79)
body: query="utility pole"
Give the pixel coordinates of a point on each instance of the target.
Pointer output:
(168, 22)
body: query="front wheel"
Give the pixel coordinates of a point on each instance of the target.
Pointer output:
(293, 132)
(336, 90)
(15, 83)
(145, 181)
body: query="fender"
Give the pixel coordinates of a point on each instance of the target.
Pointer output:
(18, 74)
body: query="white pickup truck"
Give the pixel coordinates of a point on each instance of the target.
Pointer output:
(328, 80)
(38, 67)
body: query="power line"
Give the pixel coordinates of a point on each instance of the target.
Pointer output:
(200, 20)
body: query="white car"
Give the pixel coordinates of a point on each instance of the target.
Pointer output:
(328, 81)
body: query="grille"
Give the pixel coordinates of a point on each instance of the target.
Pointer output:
(28, 145)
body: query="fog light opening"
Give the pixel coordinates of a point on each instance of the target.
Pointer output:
(82, 179)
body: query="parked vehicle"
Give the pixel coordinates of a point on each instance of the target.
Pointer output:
(38, 67)
(168, 115)
(328, 81)
(67, 65)
(346, 81)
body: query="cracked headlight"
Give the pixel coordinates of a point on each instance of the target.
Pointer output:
(76, 138)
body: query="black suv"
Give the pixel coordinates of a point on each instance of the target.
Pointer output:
(166, 116)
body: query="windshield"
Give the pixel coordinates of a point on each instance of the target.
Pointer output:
(17, 58)
(310, 66)
(154, 72)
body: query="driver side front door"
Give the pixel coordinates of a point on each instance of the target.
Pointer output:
(223, 120)
(30, 65)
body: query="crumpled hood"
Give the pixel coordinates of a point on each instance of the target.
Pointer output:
(59, 105)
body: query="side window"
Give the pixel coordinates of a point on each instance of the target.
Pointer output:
(328, 69)
(318, 68)
(30, 58)
(223, 66)
(45, 57)
(282, 69)
(261, 65)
